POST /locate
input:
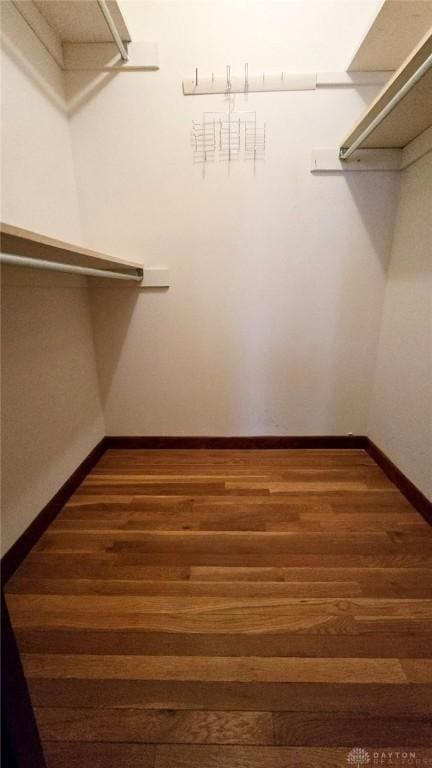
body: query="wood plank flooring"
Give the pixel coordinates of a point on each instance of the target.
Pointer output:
(230, 609)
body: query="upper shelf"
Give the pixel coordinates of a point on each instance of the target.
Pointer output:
(410, 116)
(81, 21)
(64, 24)
(23, 242)
(395, 31)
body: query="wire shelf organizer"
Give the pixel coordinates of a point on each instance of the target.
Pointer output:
(228, 136)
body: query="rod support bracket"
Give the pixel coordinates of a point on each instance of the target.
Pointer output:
(122, 48)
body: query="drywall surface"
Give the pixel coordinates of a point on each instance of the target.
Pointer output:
(38, 182)
(400, 421)
(51, 411)
(271, 322)
(51, 408)
(265, 328)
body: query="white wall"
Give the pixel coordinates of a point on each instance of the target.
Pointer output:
(52, 415)
(271, 323)
(38, 181)
(400, 421)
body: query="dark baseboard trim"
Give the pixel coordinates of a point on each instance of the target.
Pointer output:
(257, 442)
(409, 490)
(18, 551)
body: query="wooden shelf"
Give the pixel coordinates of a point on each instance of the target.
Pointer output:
(23, 242)
(393, 34)
(59, 24)
(81, 21)
(410, 117)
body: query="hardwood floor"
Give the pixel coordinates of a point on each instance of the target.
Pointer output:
(230, 609)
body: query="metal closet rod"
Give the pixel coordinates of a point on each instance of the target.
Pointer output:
(113, 29)
(57, 266)
(346, 152)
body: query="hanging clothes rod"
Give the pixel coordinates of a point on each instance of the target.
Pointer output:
(56, 266)
(346, 152)
(113, 29)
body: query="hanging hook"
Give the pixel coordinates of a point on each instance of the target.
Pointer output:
(196, 77)
(228, 82)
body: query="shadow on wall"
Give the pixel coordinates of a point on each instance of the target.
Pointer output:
(26, 52)
(67, 92)
(115, 313)
(379, 224)
(252, 357)
(375, 196)
(50, 401)
(321, 376)
(82, 87)
(162, 369)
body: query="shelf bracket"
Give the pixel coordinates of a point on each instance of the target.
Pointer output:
(113, 29)
(328, 160)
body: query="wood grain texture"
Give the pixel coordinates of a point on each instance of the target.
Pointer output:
(250, 757)
(67, 755)
(373, 698)
(389, 644)
(204, 727)
(155, 727)
(226, 668)
(235, 608)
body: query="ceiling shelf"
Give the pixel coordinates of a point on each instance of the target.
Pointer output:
(33, 245)
(387, 124)
(80, 21)
(395, 31)
(62, 24)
